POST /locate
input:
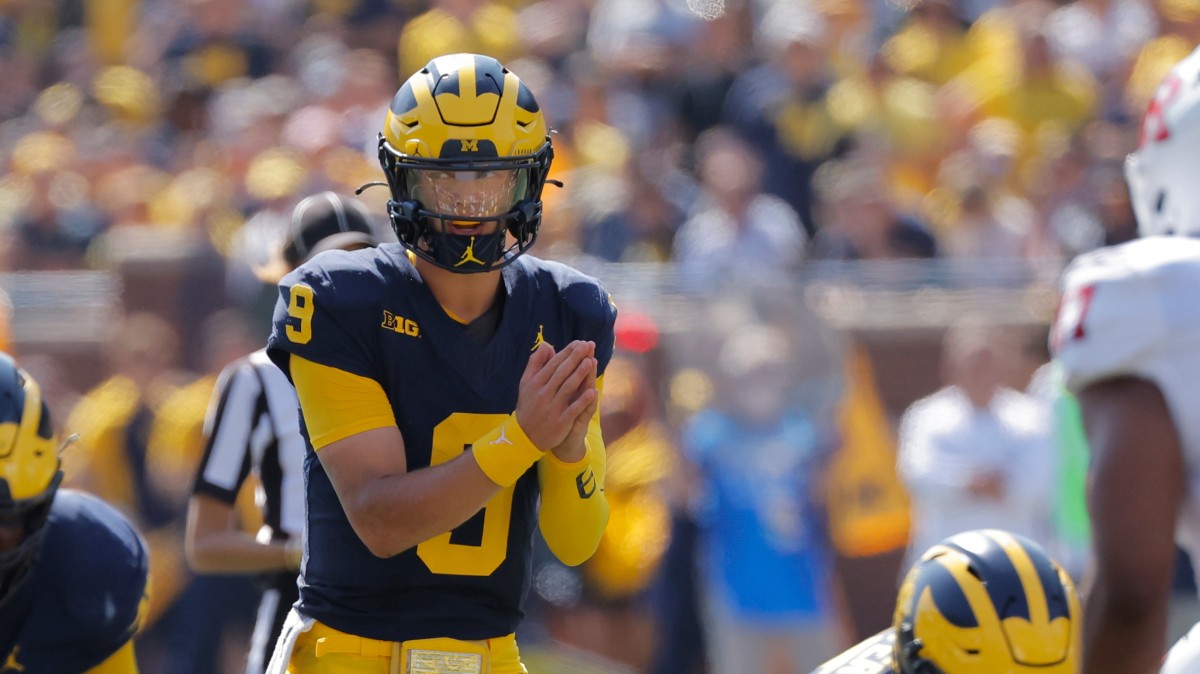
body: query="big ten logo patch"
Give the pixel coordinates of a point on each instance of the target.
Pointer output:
(400, 324)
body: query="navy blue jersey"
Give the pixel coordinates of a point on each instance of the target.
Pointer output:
(80, 603)
(368, 312)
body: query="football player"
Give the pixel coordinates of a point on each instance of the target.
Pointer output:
(447, 383)
(979, 602)
(1128, 337)
(72, 569)
(253, 427)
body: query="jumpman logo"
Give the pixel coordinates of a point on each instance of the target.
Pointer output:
(11, 664)
(469, 254)
(538, 342)
(503, 439)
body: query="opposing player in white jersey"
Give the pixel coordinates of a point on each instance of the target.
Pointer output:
(1128, 337)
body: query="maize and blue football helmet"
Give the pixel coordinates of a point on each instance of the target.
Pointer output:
(464, 143)
(987, 602)
(29, 471)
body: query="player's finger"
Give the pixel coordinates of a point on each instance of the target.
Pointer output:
(585, 416)
(586, 402)
(584, 375)
(549, 365)
(541, 355)
(561, 369)
(577, 378)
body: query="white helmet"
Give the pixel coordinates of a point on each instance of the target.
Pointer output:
(1164, 173)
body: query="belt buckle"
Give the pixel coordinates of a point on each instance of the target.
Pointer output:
(428, 661)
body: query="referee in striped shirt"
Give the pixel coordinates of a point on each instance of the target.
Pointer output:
(253, 426)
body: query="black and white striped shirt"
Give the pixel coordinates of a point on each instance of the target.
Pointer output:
(253, 424)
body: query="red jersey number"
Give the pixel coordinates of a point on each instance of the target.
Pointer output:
(1072, 313)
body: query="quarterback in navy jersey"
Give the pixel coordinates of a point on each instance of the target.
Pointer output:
(72, 570)
(448, 385)
(979, 602)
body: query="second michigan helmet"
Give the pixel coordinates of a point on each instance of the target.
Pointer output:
(987, 602)
(29, 471)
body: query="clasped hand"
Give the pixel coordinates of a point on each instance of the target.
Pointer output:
(558, 397)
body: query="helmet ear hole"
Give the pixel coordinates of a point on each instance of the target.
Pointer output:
(1160, 201)
(403, 216)
(526, 213)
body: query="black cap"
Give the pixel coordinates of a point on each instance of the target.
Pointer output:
(324, 222)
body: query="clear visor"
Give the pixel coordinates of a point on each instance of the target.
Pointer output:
(468, 194)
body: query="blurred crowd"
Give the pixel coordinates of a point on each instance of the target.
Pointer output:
(752, 461)
(774, 130)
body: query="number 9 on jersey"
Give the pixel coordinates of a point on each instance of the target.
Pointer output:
(300, 313)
